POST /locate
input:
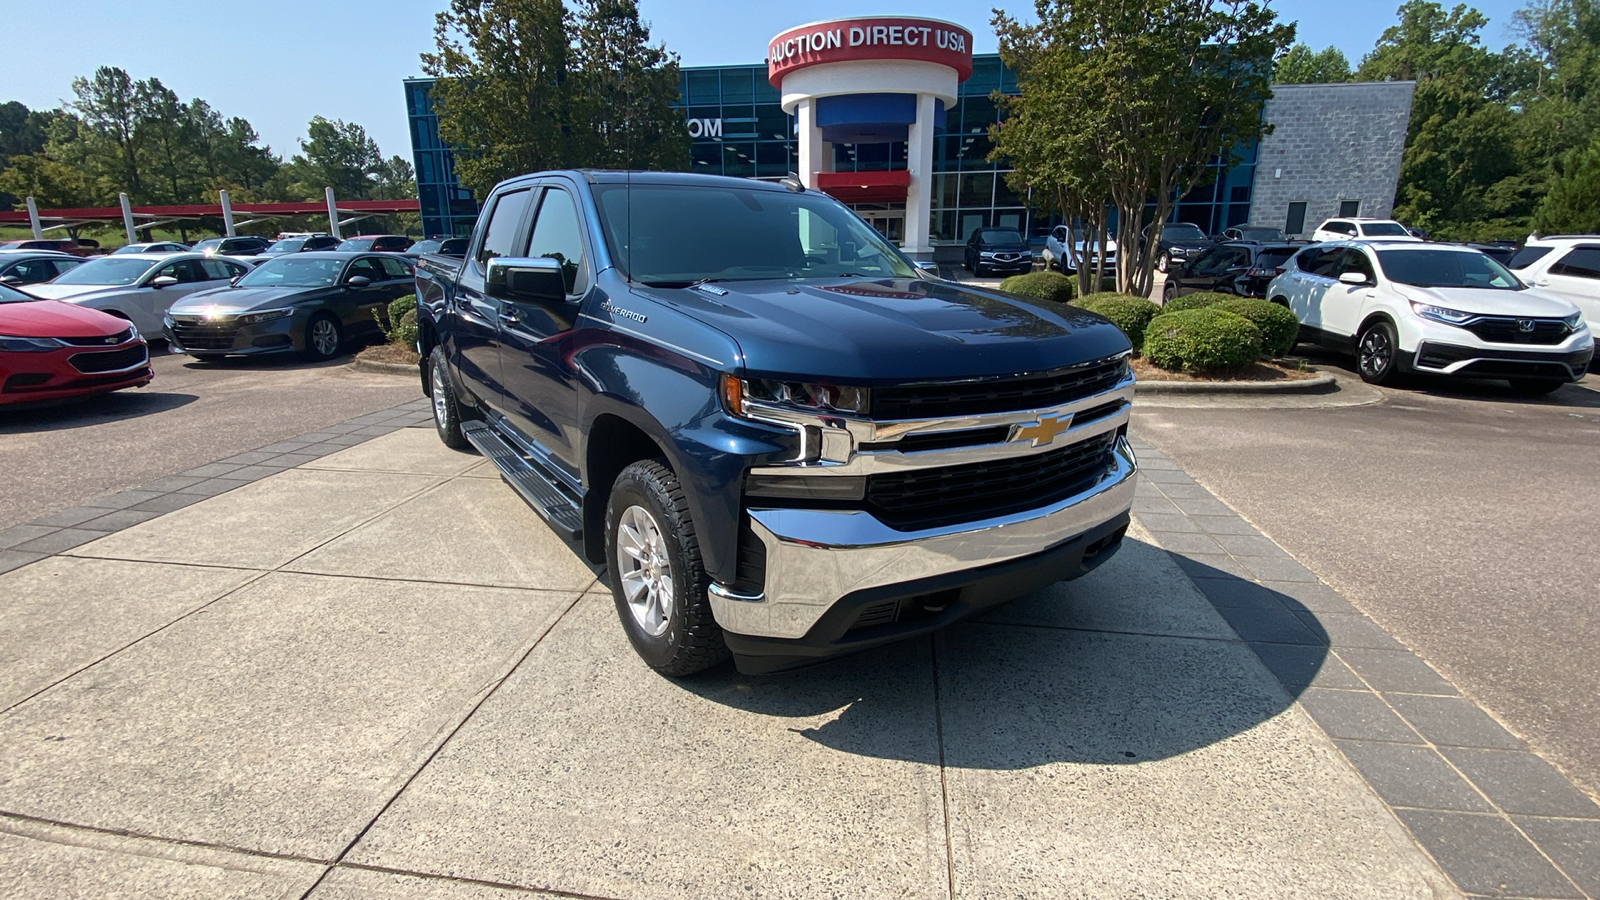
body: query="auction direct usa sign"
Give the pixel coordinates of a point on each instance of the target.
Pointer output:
(925, 40)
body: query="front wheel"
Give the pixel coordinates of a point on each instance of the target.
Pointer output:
(1169, 292)
(323, 337)
(1536, 387)
(1163, 263)
(1376, 353)
(657, 579)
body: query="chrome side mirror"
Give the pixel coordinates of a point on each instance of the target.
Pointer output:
(162, 281)
(534, 278)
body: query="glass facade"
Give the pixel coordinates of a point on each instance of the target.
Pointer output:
(447, 208)
(737, 127)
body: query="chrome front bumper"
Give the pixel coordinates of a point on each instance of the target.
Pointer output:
(814, 557)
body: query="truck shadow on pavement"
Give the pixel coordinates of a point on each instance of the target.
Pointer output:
(1056, 677)
(87, 411)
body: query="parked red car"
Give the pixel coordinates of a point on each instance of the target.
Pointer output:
(51, 350)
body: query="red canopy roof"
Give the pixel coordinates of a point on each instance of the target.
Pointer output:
(866, 187)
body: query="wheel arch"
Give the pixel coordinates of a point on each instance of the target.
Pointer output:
(613, 443)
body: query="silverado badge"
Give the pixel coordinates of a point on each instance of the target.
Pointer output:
(1043, 431)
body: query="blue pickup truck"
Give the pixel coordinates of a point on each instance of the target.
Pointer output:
(784, 440)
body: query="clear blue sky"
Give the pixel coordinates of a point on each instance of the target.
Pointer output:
(279, 64)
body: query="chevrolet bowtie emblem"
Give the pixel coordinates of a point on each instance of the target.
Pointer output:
(1041, 432)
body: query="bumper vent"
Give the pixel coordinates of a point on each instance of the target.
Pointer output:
(929, 498)
(111, 360)
(198, 334)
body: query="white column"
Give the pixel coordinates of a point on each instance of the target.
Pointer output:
(227, 213)
(33, 220)
(919, 162)
(127, 219)
(333, 212)
(812, 146)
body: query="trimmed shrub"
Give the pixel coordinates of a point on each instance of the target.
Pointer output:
(1277, 324)
(1202, 342)
(1199, 300)
(1131, 314)
(1052, 286)
(399, 324)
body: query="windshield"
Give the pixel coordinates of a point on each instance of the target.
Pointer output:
(357, 244)
(1261, 234)
(999, 236)
(1447, 269)
(12, 295)
(294, 272)
(1183, 231)
(131, 248)
(422, 246)
(683, 234)
(292, 246)
(208, 245)
(108, 270)
(1384, 229)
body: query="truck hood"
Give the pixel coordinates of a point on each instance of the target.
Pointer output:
(866, 331)
(1530, 303)
(53, 318)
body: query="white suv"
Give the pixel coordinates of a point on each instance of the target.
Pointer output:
(1357, 229)
(1567, 265)
(1433, 308)
(1057, 257)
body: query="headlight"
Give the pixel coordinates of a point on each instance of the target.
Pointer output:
(1575, 322)
(985, 253)
(29, 345)
(795, 395)
(1442, 314)
(267, 316)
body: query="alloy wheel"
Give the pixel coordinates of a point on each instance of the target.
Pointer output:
(441, 400)
(646, 573)
(325, 337)
(1376, 354)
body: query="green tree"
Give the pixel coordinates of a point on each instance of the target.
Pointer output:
(53, 184)
(339, 155)
(1572, 205)
(22, 132)
(501, 67)
(622, 91)
(395, 180)
(1301, 65)
(109, 106)
(1177, 83)
(168, 143)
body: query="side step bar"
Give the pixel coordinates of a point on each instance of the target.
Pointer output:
(546, 499)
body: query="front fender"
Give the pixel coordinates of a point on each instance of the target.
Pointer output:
(674, 402)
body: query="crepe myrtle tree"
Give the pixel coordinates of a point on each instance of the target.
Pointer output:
(1143, 94)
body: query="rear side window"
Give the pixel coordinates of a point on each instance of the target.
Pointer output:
(500, 235)
(1527, 256)
(1318, 262)
(394, 268)
(1581, 262)
(557, 235)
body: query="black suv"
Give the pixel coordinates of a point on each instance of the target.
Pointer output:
(1180, 241)
(1236, 267)
(997, 250)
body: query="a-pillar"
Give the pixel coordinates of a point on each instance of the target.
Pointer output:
(919, 196)
(816, 154)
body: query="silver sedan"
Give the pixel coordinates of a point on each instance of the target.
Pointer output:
(139, 287)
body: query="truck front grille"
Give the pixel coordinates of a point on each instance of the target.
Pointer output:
(930, 498)
(994, 395)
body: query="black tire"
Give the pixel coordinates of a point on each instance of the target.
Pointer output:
(1169, 292)
(446, 408)
(1378, 353)
(1536, 387)
(688, 640)
(320, 345)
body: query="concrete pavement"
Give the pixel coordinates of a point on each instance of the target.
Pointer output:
(374, 673)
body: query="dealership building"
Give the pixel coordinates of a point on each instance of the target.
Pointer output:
(891, 116)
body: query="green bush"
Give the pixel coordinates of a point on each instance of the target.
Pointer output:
(1202, 341)
(1199, 300)
(1041, 286)
(1277, 324)
(399, 323)
(1131, 314)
